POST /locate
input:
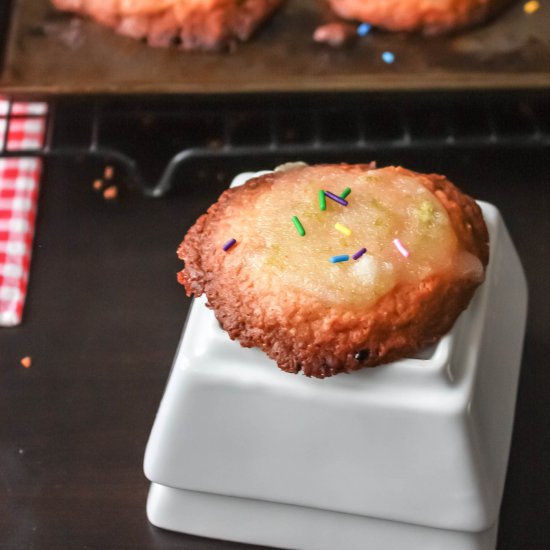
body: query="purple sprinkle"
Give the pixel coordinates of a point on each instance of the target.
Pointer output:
(229, 244)
(359, 253)
(336, 198)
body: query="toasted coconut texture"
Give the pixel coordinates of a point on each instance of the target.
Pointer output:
(277, 290)
(188, 24)
(429, 16)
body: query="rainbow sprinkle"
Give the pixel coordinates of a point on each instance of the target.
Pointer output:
(359, 253)
(336, 198)
(343, 229)
(338, 259)
(531, 7)
(363, 29)
(229, 244)
(345, 193)
(322, 200)
(298, 225)
(402, 250)
(388, 57)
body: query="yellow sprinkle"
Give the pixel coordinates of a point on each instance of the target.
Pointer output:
(531, 7)
(343, 229)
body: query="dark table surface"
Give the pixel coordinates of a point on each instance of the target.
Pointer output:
(102, 322)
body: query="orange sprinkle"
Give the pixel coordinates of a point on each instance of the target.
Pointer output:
(531, 7)
(26, 362)
(109, 172)
(98, 184)
(111, 192)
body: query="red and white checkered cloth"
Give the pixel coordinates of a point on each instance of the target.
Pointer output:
(21, 129)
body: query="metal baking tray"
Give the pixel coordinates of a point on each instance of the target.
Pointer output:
(52, 53)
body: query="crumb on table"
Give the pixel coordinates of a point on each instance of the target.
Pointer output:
(111, 192)
(109, 172)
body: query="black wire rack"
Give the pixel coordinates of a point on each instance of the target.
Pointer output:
(153, 139)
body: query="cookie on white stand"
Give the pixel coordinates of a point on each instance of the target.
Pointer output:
(408, 455)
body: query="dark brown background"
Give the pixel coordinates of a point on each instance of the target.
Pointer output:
(102, 323)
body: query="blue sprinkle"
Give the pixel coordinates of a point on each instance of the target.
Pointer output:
(363, 29)
(341, 258)
(388, 57)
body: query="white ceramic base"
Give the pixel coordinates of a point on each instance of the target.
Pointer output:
(416, 450)
(285, 526)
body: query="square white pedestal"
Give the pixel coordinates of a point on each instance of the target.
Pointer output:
(410, 455)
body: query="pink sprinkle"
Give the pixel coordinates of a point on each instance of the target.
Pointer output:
(399, 245)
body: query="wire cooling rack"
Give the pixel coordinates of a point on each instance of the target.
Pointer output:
(153, 139)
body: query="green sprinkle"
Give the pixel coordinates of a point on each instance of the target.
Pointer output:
(345, 193)
(426, 212)
(298, 225)
(322, 200)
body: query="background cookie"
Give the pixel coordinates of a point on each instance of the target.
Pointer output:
(428, 16)
(197, 25)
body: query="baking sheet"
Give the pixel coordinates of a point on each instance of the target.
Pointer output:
(53, 53)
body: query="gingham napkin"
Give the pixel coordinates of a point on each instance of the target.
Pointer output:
(22, 127)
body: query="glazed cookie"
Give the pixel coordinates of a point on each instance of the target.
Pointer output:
(188, 24)
(429, 16)
(333, 268)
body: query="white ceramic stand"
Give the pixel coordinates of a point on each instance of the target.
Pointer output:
(411, 455)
